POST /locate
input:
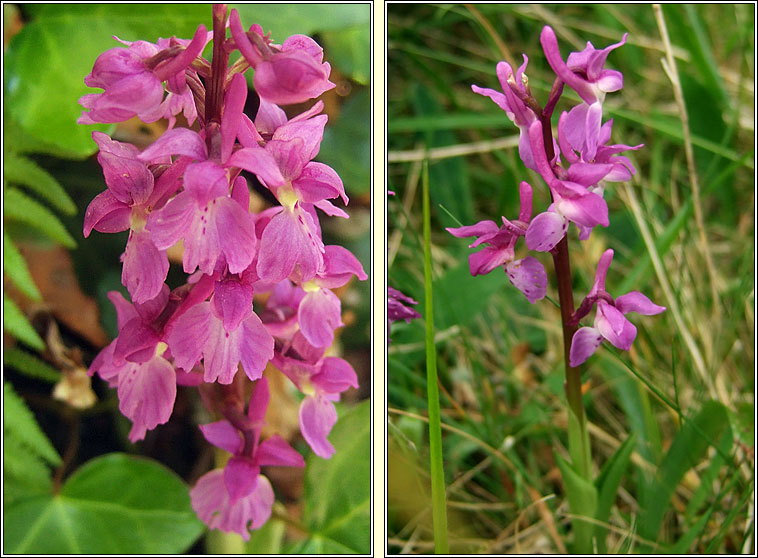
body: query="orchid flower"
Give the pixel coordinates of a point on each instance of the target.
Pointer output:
(527, 274)
(610, 323)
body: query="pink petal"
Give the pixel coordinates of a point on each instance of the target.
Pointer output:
(210, 501)
(317, 416)
(256, 347)
(146, 395)
(318, 316)
(145, 267)
(125, 311)
(179, 141)
(236, 233)
(585, 342)
(169, 224)
(330, 209)
(614, 326)
(479, 229)
(221, 353)
(545, 231)
(256, 409)
(339, 266)
(588, 174)
(588, 210)
(188, 335)
(269, 117)
(261, 163)
(635, 301)
(336, 375)
(529, 277)
(289, 240)
(184, 58)
(236, 94)
(278, 453)
(525, 197)
(106, 214)
(136, 342)
(309, 130)
(223, 435)
(206, 181)
(603, 264)
(232, 302)
(317, 182)
(240, 478)
(491, 257)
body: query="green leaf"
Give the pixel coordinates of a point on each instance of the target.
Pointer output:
(607, 484)
(288, 19)
(268, 539)
(19, 207)
(350, 51)
(20, 423)
(15, 323)
(338, 495)
(15, 267)
(22, 170)
(347, 144)
(30, 365)
(582, 497)
(115, 504)
(687, 450)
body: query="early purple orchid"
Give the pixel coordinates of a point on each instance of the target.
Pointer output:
(527, 274)
(322, 382)
(397, 309)
(186, 187)
(292, 73)
(239, 497)
(224, 333)
(583, 71)
(610, 323)
(135, 362)
(132, 79)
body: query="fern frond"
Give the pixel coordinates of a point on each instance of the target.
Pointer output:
(15, 323)
(20, 207)
(15, 268)
(22, 170)
(30, 365)
(19, 422)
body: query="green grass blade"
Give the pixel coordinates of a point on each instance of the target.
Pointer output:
(582, 497)
(688, 448)
(607, 484)
(439, 505)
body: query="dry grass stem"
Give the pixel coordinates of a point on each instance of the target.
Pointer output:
(449, 151)
(669, 67)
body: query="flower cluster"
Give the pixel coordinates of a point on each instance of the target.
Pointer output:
(576, 166)
(187, 188)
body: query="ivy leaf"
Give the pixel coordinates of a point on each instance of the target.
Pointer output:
(15, 267)
(22, 170)
(20, 207)
(15, 323)
(115, 504)
(338, 490)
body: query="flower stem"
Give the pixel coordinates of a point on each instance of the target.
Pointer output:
(578, 444)
(439, 505)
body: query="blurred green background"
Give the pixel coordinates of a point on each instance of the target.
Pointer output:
(500, 358)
